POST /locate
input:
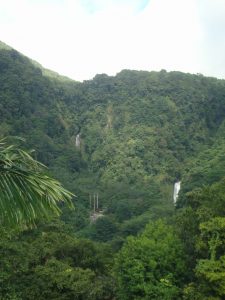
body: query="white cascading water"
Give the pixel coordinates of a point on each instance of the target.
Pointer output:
(78, 140)
(176, 191)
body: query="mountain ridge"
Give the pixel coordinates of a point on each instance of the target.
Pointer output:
(119, 143)
(137, 128)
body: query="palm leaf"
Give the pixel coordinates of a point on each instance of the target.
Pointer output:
(26, 193)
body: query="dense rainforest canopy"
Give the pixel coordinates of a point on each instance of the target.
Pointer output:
(119, 143)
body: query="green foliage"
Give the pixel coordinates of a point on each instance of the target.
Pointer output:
(26, 192)
(104, 229)
(140, 131)
(201, 226)
(210, 270)
(210, 267)
(151, 265)
(50, 264)
(211, 276)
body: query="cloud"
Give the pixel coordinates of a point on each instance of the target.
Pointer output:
(212, 20)
(81, 38)
(93, 6)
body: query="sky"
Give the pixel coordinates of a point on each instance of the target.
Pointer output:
(82, 38)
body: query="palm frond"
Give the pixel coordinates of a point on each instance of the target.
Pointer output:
(26, 193)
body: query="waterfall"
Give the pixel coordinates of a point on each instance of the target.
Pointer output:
(176, 191)
(78, 140)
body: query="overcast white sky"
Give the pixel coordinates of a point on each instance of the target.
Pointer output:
(82, 38)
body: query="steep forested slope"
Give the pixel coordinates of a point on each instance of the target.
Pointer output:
(132, 126)
(127, 138)
(143, 124)
(137, 128)
(30, 107)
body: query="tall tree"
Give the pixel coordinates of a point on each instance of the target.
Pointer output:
(151, 266)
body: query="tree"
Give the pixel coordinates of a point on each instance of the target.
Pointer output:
(74, 268)
(26, 193)
(209, 281)
(151, 266)
(211, 269)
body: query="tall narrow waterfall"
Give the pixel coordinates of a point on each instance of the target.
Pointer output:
(176, 191)
(78, 140)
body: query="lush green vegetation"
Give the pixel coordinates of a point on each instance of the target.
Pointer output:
(139, 132)
(26, 193)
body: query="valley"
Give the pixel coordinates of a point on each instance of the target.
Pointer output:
(123, 141)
